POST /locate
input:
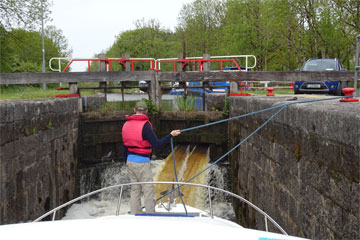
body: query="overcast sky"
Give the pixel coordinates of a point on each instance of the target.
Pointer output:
(90, 26)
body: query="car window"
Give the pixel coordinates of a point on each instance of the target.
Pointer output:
(329, 65)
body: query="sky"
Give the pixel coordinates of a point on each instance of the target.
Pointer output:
(91, 26)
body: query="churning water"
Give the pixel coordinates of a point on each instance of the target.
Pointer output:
(189, 161)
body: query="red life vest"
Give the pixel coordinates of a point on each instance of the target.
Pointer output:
(132, 134)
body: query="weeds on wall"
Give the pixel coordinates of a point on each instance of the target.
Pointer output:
(226, 108)
(152, 109)
(184, 104)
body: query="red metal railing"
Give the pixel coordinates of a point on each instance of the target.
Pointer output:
(197, 61)
(109, 62)
(200, 62)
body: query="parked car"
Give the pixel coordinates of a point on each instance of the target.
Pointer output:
(330, 87)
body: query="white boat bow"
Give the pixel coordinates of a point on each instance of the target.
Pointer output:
(168, 222)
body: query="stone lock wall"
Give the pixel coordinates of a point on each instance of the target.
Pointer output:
(38, 156)
(100, 139)
(302, 168)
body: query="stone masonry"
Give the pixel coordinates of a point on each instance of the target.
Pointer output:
(302, 168)
(38, 156)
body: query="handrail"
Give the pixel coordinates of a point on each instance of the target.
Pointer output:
(108, 61)
(266, 216)
(212, 58)
(154, 62)
(59, 59)
(240, 56)
(199, 61)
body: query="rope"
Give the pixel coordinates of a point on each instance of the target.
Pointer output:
(253, 133)
(173, 158)
(256, 112)
(282, 107)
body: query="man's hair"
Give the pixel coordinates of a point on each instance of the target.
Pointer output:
(141, 106)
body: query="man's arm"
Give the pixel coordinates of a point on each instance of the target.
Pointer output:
(148, 134)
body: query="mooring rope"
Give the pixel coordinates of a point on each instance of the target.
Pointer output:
(282, 107)
(256, 112)
(173, 158)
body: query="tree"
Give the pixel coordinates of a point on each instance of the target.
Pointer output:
(246, 30)
(201, 22)
(148, 40)
(25, 14)
(21, 45)
(282, 34)
(59, 44)
(348, 12)
(329, 28)
(21, 50)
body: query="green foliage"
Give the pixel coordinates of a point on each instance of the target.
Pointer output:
(200, 25)
(226, 108)
(27, 131)
(152, 109)
(21, 50)
(24, 14)
(184, 104)
(281, 34)
(12, 92)
(148, 40)
(110, 106)
(23, 66)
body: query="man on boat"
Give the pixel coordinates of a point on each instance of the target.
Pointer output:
(139, 139)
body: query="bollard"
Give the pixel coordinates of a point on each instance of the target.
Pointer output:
(270, 92)
(349, 94)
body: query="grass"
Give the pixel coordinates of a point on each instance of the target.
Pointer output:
(111, 106)
(31, 92)
(16, 92)
(276, 91)
(184, 103)
(26, 92)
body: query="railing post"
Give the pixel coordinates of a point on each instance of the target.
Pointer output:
(180, 69)
(233, 87)
(154, 90)
(206, 68)
(206, 65)
(119, 202)
(73, 89)
(101, 63)
(266, 224)
(102, 68)
(210, 204)
(357, 67)
(158, 92)
(126, 69)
